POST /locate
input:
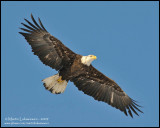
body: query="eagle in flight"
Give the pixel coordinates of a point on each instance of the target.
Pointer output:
(75, 68)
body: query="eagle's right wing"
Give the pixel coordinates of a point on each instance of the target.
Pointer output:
(102, 88)
(50, 50)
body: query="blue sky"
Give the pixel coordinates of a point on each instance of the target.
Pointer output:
(123, 35)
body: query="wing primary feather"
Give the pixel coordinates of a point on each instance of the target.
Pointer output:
(133, 110)
(134, 100)
(35, 22)
(30, 24)
(41, 24)
(135, 103)
(136, 107)
(24, 34)
(28, 27)
(125, 112)
(129, 111)
(25, 30)
(124, 104)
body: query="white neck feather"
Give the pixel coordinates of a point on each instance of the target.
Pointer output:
(86, 60)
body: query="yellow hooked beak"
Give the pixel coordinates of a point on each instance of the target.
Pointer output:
(94, 57)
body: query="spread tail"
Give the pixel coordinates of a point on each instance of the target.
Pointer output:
(55, 84)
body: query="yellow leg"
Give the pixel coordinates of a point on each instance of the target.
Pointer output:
(60, 79)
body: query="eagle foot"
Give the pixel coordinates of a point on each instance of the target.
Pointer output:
(60, 79)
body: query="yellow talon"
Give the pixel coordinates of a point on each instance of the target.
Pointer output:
(60, 79)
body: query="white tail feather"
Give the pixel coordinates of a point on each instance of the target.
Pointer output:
(53, 85)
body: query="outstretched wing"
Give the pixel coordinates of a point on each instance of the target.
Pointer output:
(49, 49)
(102, 88)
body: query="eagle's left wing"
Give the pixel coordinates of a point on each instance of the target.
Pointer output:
(102, 88)
(51, 51)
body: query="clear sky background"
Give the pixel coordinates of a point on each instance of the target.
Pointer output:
(123, 35)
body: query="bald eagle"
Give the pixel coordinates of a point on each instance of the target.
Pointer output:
(75, 68)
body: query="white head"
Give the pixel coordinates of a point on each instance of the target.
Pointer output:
(87, 60)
